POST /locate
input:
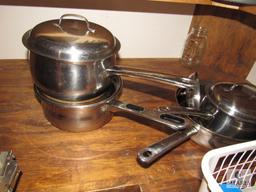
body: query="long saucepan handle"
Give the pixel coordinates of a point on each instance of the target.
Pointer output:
(182, 82)
(191, 84)
(149, 155)
(172, 121)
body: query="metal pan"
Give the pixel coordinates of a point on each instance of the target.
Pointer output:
(211, 133)
(74, 59)
(95, 113)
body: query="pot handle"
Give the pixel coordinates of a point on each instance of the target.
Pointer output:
(89, 29)
(149, 155)
(182, 82)
(191, 83)
(170, 120)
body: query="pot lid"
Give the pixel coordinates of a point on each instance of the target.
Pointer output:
(237, 100)
(71, 39)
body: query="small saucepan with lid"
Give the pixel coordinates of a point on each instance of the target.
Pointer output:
(73, 59)
(233, 120)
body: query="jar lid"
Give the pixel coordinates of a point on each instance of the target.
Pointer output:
(71, 39)
(237, 100)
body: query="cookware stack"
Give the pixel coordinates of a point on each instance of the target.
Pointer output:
(72, 63)
(77, 82)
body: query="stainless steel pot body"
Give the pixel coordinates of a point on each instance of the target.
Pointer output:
(94, 113)
(70, 80)
(75, 81)
(76, 118)
(86, 115)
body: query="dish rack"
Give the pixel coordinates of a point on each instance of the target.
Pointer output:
(230, 169)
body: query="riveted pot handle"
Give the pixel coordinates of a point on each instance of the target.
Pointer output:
(191, 83)
(171, 121)
(89, 29)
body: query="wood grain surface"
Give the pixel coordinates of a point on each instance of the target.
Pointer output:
(231, 39)
(54, 160)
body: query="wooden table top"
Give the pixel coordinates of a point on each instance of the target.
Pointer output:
(54, 160)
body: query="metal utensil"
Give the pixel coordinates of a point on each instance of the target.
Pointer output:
(73, 59)
(9, 171)
(92, 114)
(223, 129)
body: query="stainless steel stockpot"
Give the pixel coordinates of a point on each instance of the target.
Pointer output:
(233, 120)
(93, 113)
(73, 59)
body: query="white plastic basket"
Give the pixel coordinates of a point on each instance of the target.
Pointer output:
(233, 166)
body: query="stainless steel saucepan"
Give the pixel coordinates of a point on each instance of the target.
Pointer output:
(76, 116)
(73, 59)
(233, 120)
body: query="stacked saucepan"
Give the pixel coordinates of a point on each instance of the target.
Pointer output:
(72, 63)
(77, 82)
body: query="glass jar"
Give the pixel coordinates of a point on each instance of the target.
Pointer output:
(194, 47)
